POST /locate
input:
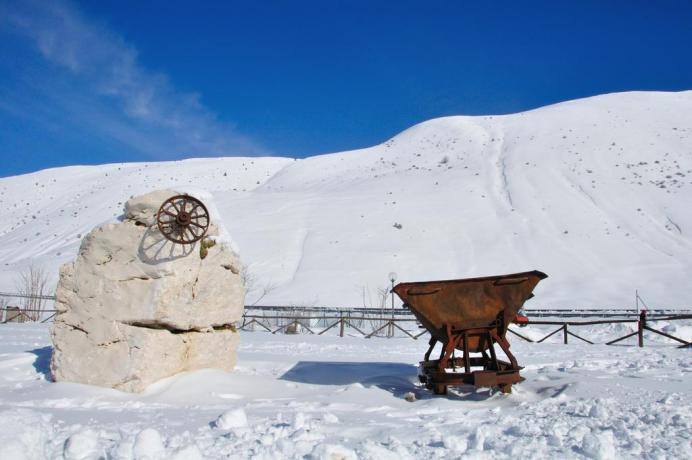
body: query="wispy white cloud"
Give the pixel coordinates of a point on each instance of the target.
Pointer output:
(145, 110)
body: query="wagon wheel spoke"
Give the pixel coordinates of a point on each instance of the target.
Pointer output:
(201, 212)
(181, 233)
(198, 225)
(195, 236)
(199, 222)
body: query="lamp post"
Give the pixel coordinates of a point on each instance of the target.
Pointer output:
(392, 278)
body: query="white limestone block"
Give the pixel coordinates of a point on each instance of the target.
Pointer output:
(134, 307)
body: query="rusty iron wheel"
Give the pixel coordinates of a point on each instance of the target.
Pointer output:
(183, 219)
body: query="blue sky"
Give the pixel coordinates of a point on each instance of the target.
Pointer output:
(89, 82)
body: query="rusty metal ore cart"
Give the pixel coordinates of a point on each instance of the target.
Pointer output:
(470, 315)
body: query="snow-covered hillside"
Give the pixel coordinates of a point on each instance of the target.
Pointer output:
(595, 192)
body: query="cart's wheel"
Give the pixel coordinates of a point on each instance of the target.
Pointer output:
(183, 219)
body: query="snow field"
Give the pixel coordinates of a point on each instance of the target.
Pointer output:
(304, 396)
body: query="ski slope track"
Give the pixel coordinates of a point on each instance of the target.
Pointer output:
(595, 192)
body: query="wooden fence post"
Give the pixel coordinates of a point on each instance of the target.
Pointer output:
(642, 325)
(564, 333)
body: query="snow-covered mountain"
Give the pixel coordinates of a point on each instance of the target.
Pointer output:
(596, 192)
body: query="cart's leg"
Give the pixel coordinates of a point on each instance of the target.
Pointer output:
(432, 343)
(440, 389)
(447, 350)
(467, 354)
(504, 344)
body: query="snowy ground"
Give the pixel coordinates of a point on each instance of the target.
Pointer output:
(330, 397)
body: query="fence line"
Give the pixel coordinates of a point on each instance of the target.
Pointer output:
(369, 322)
(642, 325)
(26, 315)
(294, 323)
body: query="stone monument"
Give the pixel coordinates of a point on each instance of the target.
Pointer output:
(135, 307)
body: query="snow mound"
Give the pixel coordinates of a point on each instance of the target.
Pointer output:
(149, 445)
(83, 445)
(235, 418)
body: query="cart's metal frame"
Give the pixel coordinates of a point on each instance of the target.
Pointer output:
(470, 316)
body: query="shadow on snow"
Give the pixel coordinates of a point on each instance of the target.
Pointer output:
(42, 361)
(395, 378)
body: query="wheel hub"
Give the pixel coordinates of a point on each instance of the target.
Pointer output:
(183, 219)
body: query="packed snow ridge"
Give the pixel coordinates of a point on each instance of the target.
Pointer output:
(594, 192)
